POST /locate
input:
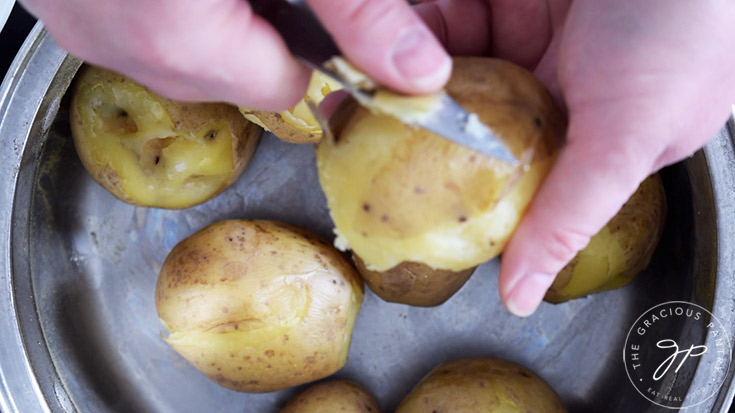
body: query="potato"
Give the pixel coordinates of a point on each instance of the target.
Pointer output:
(484, 385)
(333, 396)
(401, 194)
(151, 151)
(259, 306)
(413, 283)
(621, 250)
(297, 125)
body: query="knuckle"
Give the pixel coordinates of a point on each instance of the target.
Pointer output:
(562, 245)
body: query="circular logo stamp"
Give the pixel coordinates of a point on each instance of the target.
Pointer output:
(667, 345)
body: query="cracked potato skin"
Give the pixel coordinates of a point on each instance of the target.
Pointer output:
(333, 396)
(259, 306)
(620, 251)
(413, 283)
(481, 385)
(402, 194)
(151, 151)
(297, 124)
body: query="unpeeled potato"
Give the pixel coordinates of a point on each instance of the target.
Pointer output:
(481, 385)
(402, 196)
(333, 396)
(151, 151)
(621, 250)
(413, 283)
(297, 125)
(258, 306)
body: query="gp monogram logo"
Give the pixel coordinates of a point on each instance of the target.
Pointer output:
(667, 345)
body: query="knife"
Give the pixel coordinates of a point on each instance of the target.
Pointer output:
(307, 39)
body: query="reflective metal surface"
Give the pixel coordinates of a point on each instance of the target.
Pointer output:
(79, 330)
(6, 6)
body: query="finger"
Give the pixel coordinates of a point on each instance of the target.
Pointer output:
(243, 60)
(387, 40)
(235, 57)
(460, 25)
(521, 30)
(590, 181)
(516, 30)
(546, 68)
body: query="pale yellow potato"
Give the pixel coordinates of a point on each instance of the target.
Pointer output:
(259, 306)
(621, 250)
(481, 385)
(413, 283)
(340, 396)
(151, 151)
(297, 125)
(400, 194)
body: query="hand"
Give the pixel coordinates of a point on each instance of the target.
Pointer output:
(645, 84)
(218, 50)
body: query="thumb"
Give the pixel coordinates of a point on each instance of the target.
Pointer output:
(589, 183)
(387, 40)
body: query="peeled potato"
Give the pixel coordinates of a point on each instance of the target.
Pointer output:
(621, 250)
(297, 125)
(400, 194)
(413, 283)
(151, 151)
(258, 306)
(482, 385)
(333, 396)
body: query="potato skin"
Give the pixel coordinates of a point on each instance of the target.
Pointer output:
(259, 306)
(333, 396)
(297, 125)
(151, 151)
(621, 250)
(482, 385)
(413, 283)
(400, 194)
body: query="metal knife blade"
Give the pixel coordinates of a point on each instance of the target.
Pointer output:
(307, 39)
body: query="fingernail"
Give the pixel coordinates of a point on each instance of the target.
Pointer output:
(419, 58)
(527, 294)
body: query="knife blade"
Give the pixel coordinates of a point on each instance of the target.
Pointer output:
(307, 39)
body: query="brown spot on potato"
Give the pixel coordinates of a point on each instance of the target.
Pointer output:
(462, 219)
(366, 207)
(270, 353)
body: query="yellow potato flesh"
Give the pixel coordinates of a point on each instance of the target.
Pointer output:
(300, 116)
(124, 130)
(258, 306)
(400, 194)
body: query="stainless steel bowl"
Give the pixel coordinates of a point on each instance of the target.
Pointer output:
(79, 330)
